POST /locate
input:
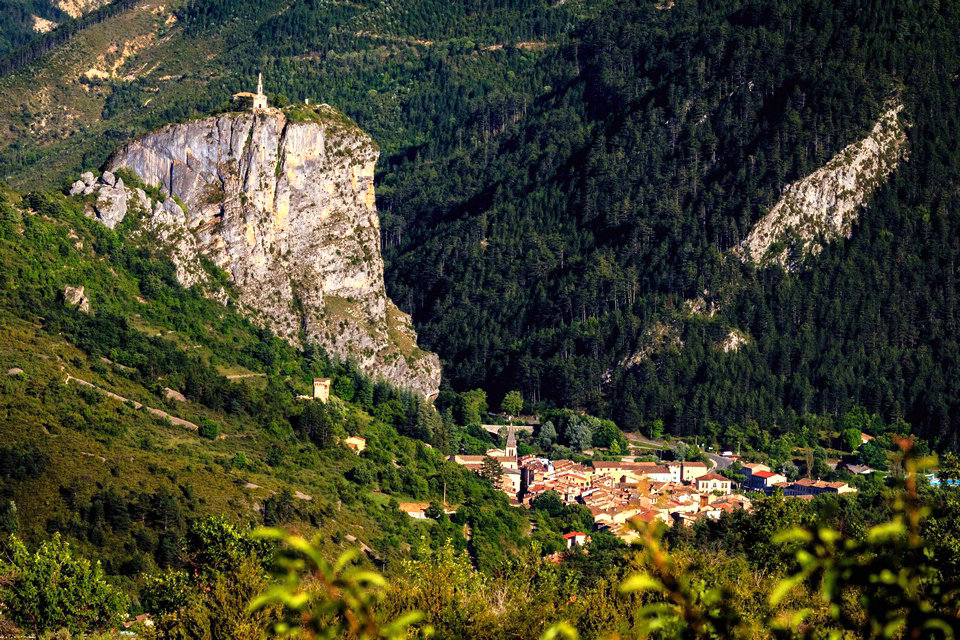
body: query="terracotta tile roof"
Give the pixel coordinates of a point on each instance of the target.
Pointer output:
(654, 468)
(469, 459)
(413, 506)
(712, 476)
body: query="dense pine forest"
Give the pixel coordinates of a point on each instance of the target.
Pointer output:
(542, 258)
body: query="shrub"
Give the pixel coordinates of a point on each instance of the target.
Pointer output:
(22, 461)
(208, 429)
(50, 589)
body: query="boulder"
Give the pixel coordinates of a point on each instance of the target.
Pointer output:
(14, 371)
(142, 200)
(75, 296)
(173, 394)
(88, 179)
(111, 205)
(169, 212)
(77, 188)
(108, 178)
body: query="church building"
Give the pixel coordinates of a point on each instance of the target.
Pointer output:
(257, 100)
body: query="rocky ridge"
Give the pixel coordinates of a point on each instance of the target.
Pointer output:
(824, 205)
(283, 202)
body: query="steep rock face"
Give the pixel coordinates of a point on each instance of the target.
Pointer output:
(284, 203)
(825, 204)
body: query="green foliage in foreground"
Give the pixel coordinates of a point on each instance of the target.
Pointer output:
(52, 589)
(341, 599)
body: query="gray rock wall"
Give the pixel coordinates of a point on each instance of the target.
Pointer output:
(287, 209)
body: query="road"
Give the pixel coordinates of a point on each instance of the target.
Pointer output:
(719, 462)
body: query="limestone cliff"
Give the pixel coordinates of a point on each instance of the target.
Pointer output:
(825, 204)
(283, 202)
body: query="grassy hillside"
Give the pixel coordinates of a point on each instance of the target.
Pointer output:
(125, 483)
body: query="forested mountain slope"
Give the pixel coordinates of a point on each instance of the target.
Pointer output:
(562, 185)
(23, 21)
(552, 253)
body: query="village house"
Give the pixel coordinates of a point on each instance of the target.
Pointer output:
(671, 507)
(603, 518)
(807, 487)
(576, 539)
(750, 468)
(144, 618)
(675, 469)
(626, 531)
(620, 471)
(713, 482)
(732, 502)
(683, 494)
(510, 483)
(693, 470)
(417, 510)
(474, 463)
(765, 480)
(858, 469)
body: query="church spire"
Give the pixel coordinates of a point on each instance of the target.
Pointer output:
(260, 84)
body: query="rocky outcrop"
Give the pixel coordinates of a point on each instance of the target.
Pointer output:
(75, 296)
(824, 205)
(659, 337)
(76, 8)
(42, 25)
(112, 197)
(734, 340)
(283, 202)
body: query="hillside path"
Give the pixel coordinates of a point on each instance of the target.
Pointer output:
(180, 422)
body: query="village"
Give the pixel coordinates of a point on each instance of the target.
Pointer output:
(622, 492)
